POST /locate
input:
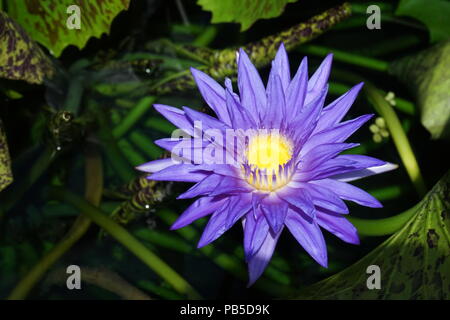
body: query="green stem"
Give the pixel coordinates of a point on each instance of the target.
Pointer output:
(93, 193)
(145, 144)
(398, 136)
(133, 116)
(113, 153)
(382, 227)
(206, 37)
(128, 241)
(346, 57)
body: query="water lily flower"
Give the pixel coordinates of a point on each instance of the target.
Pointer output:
(281, 168)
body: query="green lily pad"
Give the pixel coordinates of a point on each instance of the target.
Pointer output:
(427, 75)
(414, 262)
(245, 12)
(6, 176)
(46, 21)
(432, 13)
(20, 57)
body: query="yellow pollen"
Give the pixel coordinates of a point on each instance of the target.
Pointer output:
(265, 154)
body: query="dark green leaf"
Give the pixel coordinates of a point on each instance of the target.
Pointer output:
(245, 12)
(433, 13)
(414, 262)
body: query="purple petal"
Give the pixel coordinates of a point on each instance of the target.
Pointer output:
(358, 174)
(323, 197)
(275, 211)
(179, 172)
(299, 198)
(255, 231)
(240, 117)
(207, 121)
(305, 122)
(319, 79)
(230, 185)
(336, 110)
(309, 235)
(156, 165)
(349, 192)
(338, 225)
(336, 134)
(276, 104)
(213, 93)
(296, 93)
(239, 206)
(280, 67)
(199, 209)
(260, 260)
(251, 87)
(215, 227)
(175, 116)
(322, 153)
(206, 186)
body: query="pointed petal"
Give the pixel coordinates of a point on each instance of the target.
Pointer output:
(335, 111)
(338, 225)
(309, 235)
(176, 117)
(239, 206)
(280, 67)
(319, 79)
(299, 198)
(276, 104)
(296, 93)
(199, 209)
(215, 227)
(230, 185)
(204, 187)
(349, 192)
(260, 260)
(254, 235)
(179, 172)
(156, 165)
(323, 197)
(358, 174)
(335, 134)
(251, 87)
(212, 93)
(275, 211)
(240, 116)
(322, 153)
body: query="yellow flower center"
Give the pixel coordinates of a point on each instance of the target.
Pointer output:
(267, 156)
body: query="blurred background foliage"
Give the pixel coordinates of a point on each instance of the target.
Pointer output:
(76, 117)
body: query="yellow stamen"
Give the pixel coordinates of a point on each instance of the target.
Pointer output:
(267, 155)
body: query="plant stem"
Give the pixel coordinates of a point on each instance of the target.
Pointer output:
(127, 240)
(93, 193)
(401, 142)
(113, 153)
(398, 136)
(382, 227)
(346, 57)
(133, 116)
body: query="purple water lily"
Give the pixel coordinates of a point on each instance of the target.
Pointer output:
(286, 170)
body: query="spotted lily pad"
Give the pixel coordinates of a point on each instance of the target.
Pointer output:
(414, 262)
(20, 57)
(46, 21)
(5, 162)
(427, 75)
(245, 12)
